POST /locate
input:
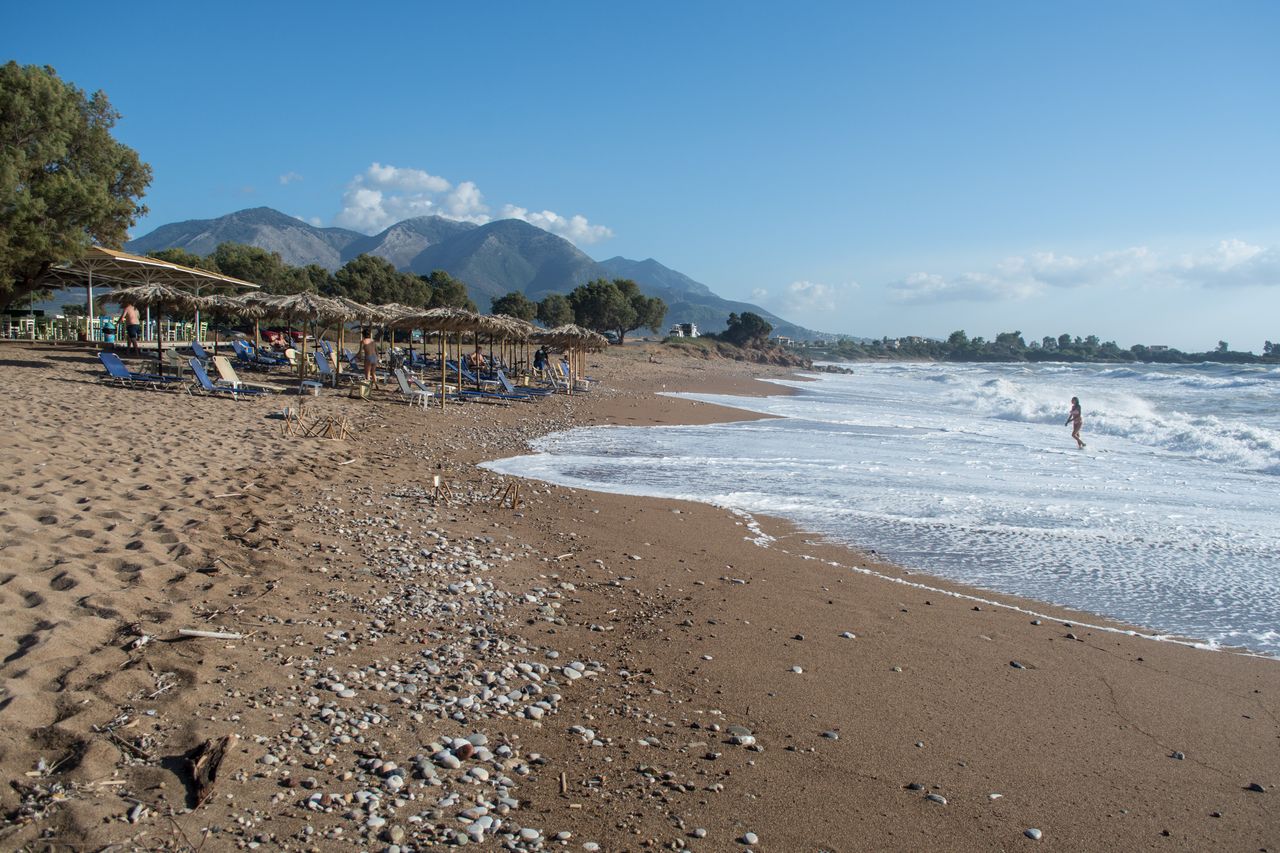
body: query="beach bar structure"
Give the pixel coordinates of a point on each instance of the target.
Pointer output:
(116, 270)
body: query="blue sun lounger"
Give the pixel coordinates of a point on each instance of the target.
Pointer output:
(203, 385)
(121, 375)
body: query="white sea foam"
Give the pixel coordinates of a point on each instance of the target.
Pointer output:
(967, 471)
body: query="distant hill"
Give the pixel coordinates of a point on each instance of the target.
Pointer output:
(508, 255)
(404, 241)
(297, 242)
(690, 301)
(493, 259)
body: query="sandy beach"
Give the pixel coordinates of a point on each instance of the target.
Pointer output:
(579, 671)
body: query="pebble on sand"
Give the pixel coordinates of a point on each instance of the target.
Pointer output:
(1034, 834)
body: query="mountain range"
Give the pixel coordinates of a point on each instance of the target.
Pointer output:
(493, 259)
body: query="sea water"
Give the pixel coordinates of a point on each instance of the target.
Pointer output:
(1169, 518)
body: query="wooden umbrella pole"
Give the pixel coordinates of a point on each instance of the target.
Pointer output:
(441, 348)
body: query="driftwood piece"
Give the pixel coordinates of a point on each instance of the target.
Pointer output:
(204, 765)
(209, 635)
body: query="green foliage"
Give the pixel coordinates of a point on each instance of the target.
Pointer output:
(515, 304)
(64, 181)
(959, 347)
(258, 266)
(555, 310)
(73, 309)
(447, 292)
(319, 279)
(747, 330)
(615, 306)
(600, 306)
(375, 281)
(184, 258)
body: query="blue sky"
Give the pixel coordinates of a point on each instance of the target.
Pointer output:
(874, 169)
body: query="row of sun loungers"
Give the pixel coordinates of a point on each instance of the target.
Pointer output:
(494, 388)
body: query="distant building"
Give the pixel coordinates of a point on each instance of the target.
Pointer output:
(1158, 348)
(684, 330)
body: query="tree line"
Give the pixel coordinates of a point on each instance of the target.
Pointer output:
(1011, 346)
(602, 305)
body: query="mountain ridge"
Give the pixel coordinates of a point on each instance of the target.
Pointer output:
(493, 259)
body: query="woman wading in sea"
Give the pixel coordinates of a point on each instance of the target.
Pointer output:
(1076, 420)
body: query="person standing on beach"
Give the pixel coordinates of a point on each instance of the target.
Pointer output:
(1076, 420)
(370, 351)
(133, 327)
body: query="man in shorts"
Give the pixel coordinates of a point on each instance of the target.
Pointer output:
(133, 328)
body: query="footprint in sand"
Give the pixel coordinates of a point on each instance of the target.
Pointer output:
(32, 599)
(135, 545)
(48, 519)
(62, 582)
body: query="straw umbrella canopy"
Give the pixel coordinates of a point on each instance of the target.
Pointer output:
(163, 299)
(445, 321)
(366, 315)
(304, 306)
(520, 332)
(575, 340)
(243, 307)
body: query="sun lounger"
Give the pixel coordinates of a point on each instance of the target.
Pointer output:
(118, 374)
(251, 357)
(454, 368)
(203, 385)
(227, 376)
(414, 396)
(583, 383)
(523, 390)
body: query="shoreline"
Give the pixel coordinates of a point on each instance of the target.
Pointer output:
(683, 627)
(898, 572)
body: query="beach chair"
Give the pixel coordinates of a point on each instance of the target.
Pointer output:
(583, 383)
(256, 359)
(522, 391)
(204, 385)
(198, 350)
(118, 374)
(227, 376)
(454, 368)
(414, 396)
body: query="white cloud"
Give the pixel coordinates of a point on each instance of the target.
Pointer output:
(383, 195)
(575, 229)
(404, 180)
(975, 287)
(289, 178)
(759, 295)
(1232, 263)
(804, 297)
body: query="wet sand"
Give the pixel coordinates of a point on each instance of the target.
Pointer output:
(132, 514)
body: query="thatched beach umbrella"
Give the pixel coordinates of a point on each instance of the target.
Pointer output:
(575, 340)
(164, 300)
(303, 306)
(365, 315)
(444, 321)
(242, 307)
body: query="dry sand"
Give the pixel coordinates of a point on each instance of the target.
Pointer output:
(132, 514)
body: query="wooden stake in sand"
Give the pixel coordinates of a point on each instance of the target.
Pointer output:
(441, 490)
(509, 495)
(204, 764)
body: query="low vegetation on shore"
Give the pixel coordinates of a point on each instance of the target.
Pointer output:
(1011, 346)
